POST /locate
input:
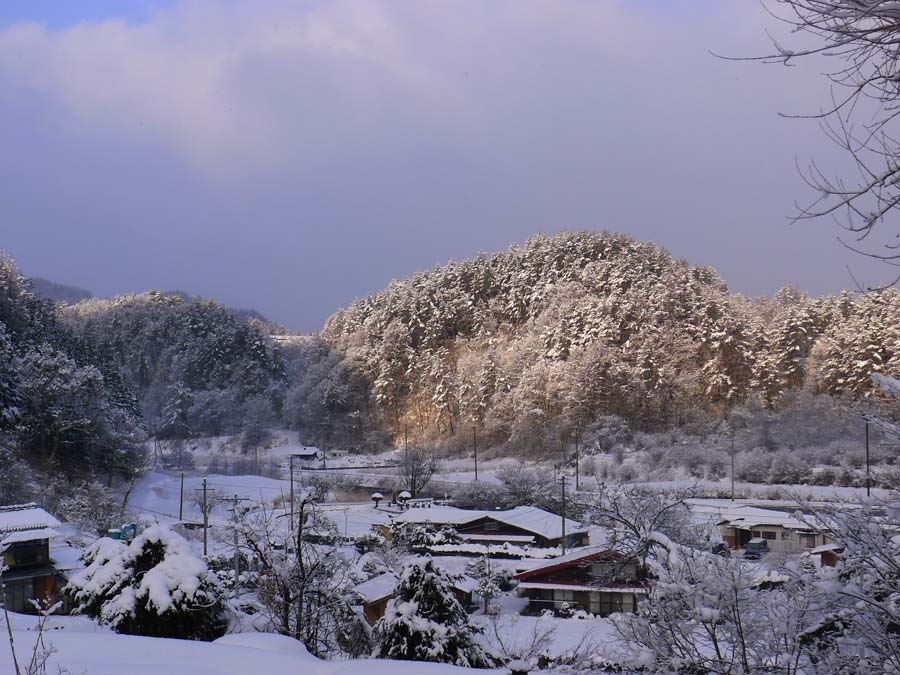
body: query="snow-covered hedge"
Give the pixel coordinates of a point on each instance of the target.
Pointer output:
(155, 586)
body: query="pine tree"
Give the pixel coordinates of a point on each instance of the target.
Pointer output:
(425, 622)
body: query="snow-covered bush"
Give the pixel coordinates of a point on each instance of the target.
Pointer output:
(425, 622)
(155, 586)
(423, 535)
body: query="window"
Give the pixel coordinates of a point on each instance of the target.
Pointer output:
(755, 534)
(601, 570)
(18, 595)
(607, 570)
(560, 596)
(491, 526)
(768, 535)
(785, 534)
(610, 602)
(808, 540)
(28, 553)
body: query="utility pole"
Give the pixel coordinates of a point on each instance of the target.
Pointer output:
(292, 493)
(732, 465)
(181, 499)
(475, 448)
(237, 558)
(256, 448)
(205, 518)
(577, 461)
(563, 540)
(868, 473)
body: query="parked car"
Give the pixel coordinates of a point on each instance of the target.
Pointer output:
(755, 548)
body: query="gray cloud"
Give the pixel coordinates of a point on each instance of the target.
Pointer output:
(291, 156)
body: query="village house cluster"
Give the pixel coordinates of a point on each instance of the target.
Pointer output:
(553, 563)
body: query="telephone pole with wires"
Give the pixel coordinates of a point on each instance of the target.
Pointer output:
(235, 519)
(562, 481)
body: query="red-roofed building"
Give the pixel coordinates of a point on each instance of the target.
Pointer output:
(593, 578)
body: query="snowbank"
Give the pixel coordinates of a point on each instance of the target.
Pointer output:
(81, 646)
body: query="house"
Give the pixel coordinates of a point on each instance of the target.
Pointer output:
(781, 531)
(25, 534)
(308, 458)
(593, 578)
(522, 526)
(375, 593)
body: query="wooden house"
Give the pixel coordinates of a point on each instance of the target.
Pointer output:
(592, 578)
(25, 534)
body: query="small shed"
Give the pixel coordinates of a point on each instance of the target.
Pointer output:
(375, 593)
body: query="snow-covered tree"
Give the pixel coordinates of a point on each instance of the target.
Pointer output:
(425, 622)
(304, 587)
(857, 630)
(490, 579)
(155, 585)
(711, 614)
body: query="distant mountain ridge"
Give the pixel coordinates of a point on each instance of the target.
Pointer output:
(58, 292)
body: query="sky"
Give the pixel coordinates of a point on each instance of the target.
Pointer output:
(291, 156)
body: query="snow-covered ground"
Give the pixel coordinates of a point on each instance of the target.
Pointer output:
(157, 494)
(81, 646)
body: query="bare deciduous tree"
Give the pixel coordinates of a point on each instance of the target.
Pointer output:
(416, 469)
(860, 37)
(303, 586)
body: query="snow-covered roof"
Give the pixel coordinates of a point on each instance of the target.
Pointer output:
(824, 548)
(537, 520)
(20, 517)
(746, 517)
(529, 518)
(66, 558)
(571, 557)
(376, 588)
(383, 586)
(439, 515)
(306, 453)
(466, 584)
(28, 535)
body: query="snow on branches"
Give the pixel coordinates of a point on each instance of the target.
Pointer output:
(156, 585)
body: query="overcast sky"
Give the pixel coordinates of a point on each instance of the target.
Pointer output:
(290, 156)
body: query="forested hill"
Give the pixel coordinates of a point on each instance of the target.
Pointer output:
(63, 404)
(194, 365)
(572, 333)
(537, 342)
